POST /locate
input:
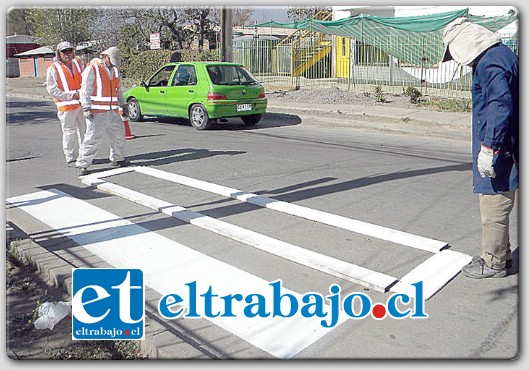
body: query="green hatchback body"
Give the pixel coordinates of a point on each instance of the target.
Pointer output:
(203, 92)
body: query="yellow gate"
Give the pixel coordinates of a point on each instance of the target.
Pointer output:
(342, 57)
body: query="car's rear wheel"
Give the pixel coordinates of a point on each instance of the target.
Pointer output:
(251, 120)
(134, 111)
(199, 118)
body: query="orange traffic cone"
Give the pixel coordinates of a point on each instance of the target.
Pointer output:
(128, 134)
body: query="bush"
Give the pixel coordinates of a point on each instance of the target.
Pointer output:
(196, 55)
(448, 104)
(379, 95)
(139, 67)
(413, 93)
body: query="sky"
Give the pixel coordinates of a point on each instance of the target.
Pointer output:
(267, 13)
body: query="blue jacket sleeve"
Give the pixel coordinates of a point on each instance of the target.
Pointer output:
(499, 104)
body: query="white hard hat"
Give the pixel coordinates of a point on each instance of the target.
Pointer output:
(114, 54)
(64, 45)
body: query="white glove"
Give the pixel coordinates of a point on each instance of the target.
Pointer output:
(485, 159)
(87, 114)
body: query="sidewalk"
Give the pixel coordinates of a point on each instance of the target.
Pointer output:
(418, 121)
(27, 87)
(425, 122)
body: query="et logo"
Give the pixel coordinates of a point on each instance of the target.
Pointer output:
(108, 304)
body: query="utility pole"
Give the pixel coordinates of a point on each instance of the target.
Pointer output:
(226, 34)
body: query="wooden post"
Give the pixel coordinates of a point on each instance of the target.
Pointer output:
(226, 35)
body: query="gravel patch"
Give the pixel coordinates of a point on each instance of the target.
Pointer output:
(336, 95)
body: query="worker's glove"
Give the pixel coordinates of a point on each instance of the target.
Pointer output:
(73, 95)
(125, 109)
(485, 160)
(87, 114)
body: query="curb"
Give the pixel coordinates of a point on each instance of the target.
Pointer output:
(412, 122)
(27, 96)
(159, 341)
(53, 270)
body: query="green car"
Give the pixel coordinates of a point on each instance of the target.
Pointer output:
(203, 92)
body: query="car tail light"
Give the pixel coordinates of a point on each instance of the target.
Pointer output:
(216, 96)
(262, 95)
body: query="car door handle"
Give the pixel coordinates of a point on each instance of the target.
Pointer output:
(191, 91)
(162, 91)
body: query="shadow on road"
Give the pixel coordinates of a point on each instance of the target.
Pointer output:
(30, 117)
(233, 124)
(176, 155)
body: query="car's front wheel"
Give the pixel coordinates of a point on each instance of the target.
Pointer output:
(251, 120)
(134, 111)
(199, 118)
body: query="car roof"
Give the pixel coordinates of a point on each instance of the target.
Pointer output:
(207, 63)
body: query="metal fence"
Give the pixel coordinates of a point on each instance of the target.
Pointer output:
(354, 66)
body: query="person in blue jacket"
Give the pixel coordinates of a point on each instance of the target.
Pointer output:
(495, 137)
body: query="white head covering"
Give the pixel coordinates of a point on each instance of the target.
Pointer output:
(62, 46)
(114, 54)
(465, 41)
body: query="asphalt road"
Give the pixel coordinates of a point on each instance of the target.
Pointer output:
(418, 185)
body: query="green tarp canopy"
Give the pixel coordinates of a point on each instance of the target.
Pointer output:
(415, 40)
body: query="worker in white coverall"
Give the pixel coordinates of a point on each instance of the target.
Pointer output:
(63, 81)
(101, 98)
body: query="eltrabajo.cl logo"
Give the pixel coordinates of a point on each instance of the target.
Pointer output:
(108, 304)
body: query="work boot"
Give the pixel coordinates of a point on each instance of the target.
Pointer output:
(123, 163)
(508, 263)
(82, 171)
(478, 269)
(71, 163)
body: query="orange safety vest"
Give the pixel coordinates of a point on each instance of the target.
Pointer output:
(68, 82)
(105, 94)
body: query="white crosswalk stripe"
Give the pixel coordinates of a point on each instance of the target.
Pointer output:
(344, 270)
(168, 266)
(345, 223)
(435, 272)
(123, 244)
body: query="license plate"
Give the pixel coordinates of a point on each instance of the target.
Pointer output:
(244, 107)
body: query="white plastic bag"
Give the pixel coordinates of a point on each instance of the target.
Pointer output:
(51, 313)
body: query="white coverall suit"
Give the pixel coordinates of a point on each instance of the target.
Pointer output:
(73, 123)
(101, 123)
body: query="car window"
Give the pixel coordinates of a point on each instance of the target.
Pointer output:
(161, 78)
(185, 75)
(230, 75)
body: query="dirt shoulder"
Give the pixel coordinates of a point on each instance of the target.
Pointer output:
(26, 290)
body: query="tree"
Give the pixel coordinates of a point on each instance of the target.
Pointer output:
(127, 27)
(241, 16)
(170, 19)
(178, 26)
(203, 23)
(54, 25)
(17, 23)
(107, 28)
(299, 13)
(139, 23)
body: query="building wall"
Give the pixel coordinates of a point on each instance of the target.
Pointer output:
(407, 11)
(12, 49)
(12, 69)
(485, 11)
(340, 12)
(27, 66)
